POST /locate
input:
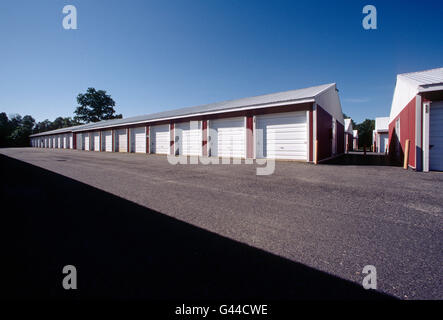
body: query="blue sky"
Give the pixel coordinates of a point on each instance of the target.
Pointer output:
(158, 55)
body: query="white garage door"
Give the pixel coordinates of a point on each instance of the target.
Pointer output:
(86, 142)
(70, 141)
(122, 140)
(108, 141)
(384, 137)
(138, 139)
(65, 141)
(436, 136)
(228, 138)
(79, 142)
(160, 139)
(189, 138)
(284, 136)
(96, 139)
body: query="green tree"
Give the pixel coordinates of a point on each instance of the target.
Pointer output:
(365, 132)
(95, 106)
(5, 129)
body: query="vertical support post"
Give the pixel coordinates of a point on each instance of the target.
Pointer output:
(316, 152)
(249, 137)
(128, 148)
(113, 140)
(147, 140)
(204, 137)
(425, 141)
(171, 139)
(406, 160)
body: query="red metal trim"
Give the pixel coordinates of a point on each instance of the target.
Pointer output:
(127, 138)
(171, 138)
(311, 135)
(205, 137)
(249, 137)
(147, 139)
(113, 140)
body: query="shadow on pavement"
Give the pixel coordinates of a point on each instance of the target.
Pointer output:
(359, 159)
(125, 251)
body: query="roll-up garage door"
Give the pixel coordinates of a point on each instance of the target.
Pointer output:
(122, 140)
(228, 138)
(138, 139)
(65, 141)
(96, 137)
(384, 137)
(71, 139)
(86, 142)
(59, 142)
(79, 141)
(108, 141)
(189, 138)
(282, 136)
(160, 139)
(436, 136)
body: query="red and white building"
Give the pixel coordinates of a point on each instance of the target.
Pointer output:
(282, 125)
(417, 116)
(380, 136)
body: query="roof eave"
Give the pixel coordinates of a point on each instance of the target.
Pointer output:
(252, 107)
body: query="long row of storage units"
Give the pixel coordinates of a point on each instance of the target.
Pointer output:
(282, 125)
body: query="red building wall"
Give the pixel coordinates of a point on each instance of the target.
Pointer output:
(407, 131)
(324, 133)
(340, 137)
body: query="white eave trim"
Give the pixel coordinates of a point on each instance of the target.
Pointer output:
(270, 105)
(430, 88)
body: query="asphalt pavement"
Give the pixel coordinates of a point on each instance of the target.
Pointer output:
(333, 219)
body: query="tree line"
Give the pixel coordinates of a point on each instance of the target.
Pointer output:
(94, 105)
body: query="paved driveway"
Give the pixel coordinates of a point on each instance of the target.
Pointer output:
(333, 218)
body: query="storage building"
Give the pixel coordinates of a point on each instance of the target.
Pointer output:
(380, 137)
(417, 116)
(282, 125)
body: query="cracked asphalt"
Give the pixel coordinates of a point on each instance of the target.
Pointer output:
(333, 218)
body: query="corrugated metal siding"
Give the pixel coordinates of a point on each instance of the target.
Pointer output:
(407, 131)
(340, 137)
(324, 133)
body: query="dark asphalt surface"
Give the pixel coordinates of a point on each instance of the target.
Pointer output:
(331, 218)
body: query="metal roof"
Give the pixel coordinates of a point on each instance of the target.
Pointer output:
(296, 96)
(382, 124)
(348, 125)
(58, 131)
(424, 79)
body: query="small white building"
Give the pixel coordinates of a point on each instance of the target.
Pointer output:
(380, 137)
